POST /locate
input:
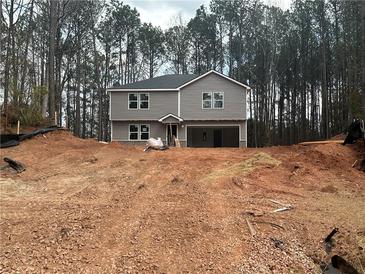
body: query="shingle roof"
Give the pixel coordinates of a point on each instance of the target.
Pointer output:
(171, 81)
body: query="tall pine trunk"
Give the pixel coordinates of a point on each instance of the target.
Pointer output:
(51, 57)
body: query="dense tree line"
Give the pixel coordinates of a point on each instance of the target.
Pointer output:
(306, 66)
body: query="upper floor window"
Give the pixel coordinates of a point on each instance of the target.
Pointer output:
(138, 101)
(213, 100)
(144, 101)
(133, 100)
(218, 99)
(207, 100)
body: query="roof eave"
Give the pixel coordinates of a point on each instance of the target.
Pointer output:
(141, 89)
(171, 115)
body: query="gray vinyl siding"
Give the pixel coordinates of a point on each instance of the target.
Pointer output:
(161, 103)
(120, 130)
(234, 99)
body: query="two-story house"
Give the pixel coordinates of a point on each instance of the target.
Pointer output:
(200, 111)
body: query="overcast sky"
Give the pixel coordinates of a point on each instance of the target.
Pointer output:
(162, 12)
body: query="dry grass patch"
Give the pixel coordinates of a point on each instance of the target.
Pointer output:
(244, 167)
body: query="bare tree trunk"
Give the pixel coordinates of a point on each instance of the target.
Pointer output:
(98, 86)
(324, 91)
(7, 61)
(362, 14)
(51, 57)
(78, 85)
(84, 107)
(43, 73)
(29, 34)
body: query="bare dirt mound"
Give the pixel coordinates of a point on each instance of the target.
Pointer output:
(83, 206)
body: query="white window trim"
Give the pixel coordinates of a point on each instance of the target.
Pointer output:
(129, 132)
(212, 100)
(171, 115)
(218, 100)
(139, 100)
(133, 101)
(140, 132)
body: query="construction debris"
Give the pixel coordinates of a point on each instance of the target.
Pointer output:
(284, 208)
(329, 237)
(280, 203)
(251, 228)
(177, 142)
(156, 144)
(329, 242)
(17, 166)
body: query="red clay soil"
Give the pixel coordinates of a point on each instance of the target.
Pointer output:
(86, 207)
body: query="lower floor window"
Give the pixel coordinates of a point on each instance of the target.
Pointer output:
(145, 132)
(133, 132)
(139, 132)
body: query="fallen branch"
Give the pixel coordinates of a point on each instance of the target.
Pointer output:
(354, 164)
(18, 166)
(254, 213)
(250, 227)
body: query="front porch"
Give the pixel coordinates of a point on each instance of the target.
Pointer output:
(171, 123)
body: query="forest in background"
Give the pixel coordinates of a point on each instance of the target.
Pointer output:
(306, 66)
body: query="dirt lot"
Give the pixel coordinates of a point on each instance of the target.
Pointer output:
(87, 207)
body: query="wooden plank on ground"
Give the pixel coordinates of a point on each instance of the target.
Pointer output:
(322, 142)
(177, 143)
(251, 228)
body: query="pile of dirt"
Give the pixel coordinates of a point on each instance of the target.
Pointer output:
(84, 206)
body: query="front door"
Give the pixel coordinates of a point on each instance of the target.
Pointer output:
(171, 134)
(217, 137)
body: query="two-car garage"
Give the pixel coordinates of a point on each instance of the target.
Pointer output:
(213, 136)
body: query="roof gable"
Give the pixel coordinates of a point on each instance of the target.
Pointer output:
(217, 73)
